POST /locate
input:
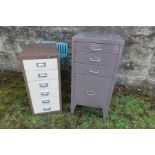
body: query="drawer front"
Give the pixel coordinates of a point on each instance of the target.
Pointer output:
(43, 85)
(44, 92)
(96, 58)
(94, 70)
(94, 47)
(91, 91)
(44, 99)
(41, 75)
(41, 107)
(40, 64)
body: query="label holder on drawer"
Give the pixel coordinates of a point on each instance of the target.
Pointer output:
(43, 85)
(47, 109)
(43, 64)
(45, 101)
(91, 93)
(45, 93)
(42, 75)
(93, 71)
(95, 48)
(97, 59)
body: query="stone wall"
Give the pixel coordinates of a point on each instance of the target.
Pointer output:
(137, 65)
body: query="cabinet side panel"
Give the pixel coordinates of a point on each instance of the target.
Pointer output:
(73, 104)
(26, 84)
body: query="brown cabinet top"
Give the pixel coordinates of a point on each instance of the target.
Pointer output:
(99, 37)
(33, 50)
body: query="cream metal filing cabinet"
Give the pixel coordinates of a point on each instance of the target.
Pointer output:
(41, 69)
(95, 62)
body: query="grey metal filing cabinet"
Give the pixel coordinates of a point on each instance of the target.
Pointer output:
(95, 62)
(41, 69)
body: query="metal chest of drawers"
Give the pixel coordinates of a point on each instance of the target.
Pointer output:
(40, 66)
(95, 62)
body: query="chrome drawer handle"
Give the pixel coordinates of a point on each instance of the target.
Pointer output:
(42, 85)
(93, 48)
(95, 59)
(45, 101)
(42, 75)
(47, 108)
(41, 64)
(45, 93)
(91, 92)
(92, 71)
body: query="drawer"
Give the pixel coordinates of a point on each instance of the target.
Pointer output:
(40, 64)
(96, 58)
(41, 75)
(94, 70)
(43, 85)
(94, 47)
(45, 92)
(91, 91)
(40, 107)
(45, 100)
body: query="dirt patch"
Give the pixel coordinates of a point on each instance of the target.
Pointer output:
(8, 77)
(136, 91)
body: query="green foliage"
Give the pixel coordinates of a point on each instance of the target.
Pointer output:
(126, 111)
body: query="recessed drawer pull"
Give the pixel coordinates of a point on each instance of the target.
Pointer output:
(91, 93)
(45, 101)
(45, 93)
(95, 48)
(92, 71)
(41, 64)
(42, 85)
(47, 108)
(95, 60)
(42, 75)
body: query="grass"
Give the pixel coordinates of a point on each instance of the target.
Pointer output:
(131, 107)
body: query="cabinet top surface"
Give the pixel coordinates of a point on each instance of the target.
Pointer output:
(98, 36)
(34, 50)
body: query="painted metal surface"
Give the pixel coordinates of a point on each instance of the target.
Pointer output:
(95, 47)
(41, 75)
(91, 91)
(95, 62)
(40, 64)
(96, 58)
(94, 70)
(44, 94)
(44, 84)
(41, 69)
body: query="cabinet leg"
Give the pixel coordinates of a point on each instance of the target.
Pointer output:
(72, 108)
(105, 112)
